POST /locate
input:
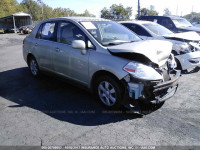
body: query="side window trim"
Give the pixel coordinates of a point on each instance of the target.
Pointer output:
(39, 32)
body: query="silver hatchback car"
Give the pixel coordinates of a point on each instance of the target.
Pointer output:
(109, 59)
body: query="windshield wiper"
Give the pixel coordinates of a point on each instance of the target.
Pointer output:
(117, 43)
(112, 43)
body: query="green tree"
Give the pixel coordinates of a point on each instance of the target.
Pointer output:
(117, 12)
(87, 14)
(152, 11)
(47, 12)
(105, 13)
(144, 12)
(147, 12)
(167, 12)
(33, 8)
(8, 7)
(193, 17)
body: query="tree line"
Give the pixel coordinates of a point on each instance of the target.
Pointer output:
(114, 12)
(34, 8)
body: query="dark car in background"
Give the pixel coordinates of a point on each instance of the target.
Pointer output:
(2, 29)
(26, 29)
(174, 23)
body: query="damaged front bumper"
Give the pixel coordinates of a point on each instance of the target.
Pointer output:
(154, 91)
(189, 60)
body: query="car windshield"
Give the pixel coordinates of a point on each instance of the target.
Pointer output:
(181, 23)
(109, 33)
(158, 29)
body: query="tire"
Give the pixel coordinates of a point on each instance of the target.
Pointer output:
(33, 66)
(108, 91)
(179, 67)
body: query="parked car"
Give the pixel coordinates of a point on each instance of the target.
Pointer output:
(197, 25)
(12, 30)
(186, 46)
(26, 29)
(104, 56)
(174, 23)
(2, 29)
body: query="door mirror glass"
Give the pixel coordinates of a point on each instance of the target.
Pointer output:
(78, 44)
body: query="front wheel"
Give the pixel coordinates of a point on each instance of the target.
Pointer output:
(33, 66)
(109, 92)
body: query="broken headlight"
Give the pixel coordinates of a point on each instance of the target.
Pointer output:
(182, 47)
(142, 71)
(171, 61)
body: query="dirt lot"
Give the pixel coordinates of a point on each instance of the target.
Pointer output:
(48, 111)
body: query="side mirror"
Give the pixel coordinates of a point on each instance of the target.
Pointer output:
(79, 44)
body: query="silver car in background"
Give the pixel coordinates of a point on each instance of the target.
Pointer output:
(186, 45)
(110, 60)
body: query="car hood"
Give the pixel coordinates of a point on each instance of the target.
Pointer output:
(190, 36)
(155, 50)
(190, 29)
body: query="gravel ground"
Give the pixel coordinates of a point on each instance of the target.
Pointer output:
(48, 111)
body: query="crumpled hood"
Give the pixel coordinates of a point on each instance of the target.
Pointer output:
(191, 36)
(156, 50)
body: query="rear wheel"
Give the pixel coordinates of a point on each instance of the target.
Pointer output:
(108, 91)
(33, 66)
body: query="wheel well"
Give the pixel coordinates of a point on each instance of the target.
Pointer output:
(28, 58)
(179, 66)
(174, 52)
(102, 73)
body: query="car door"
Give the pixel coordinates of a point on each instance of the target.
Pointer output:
(44, 44)
(67, 60)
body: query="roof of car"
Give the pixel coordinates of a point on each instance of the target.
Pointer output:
(172, 17)
(80, 18)
(138, 22)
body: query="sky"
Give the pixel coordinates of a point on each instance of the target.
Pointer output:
(177, 7)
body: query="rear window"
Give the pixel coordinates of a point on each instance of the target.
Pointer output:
(137, 29)
(47, 31)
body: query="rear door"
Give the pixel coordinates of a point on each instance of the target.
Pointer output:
(45, 44)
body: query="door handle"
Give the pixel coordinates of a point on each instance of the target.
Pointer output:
(36, 44)
(57, 50)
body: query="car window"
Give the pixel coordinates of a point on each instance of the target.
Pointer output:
(157, 29)
(166, 23)
(109, 33)
(46, 32)
(181, 22)
(67, 32)
(137, 29)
